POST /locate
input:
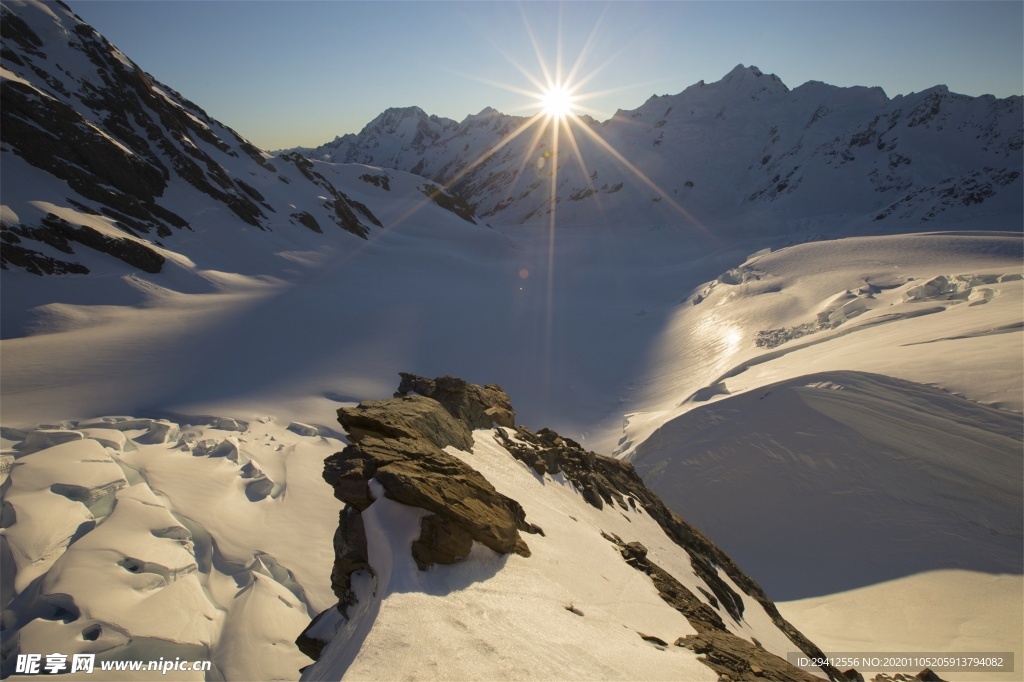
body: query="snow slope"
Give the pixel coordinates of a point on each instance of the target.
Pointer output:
(920, 309)
(978, 612)
(878, 424)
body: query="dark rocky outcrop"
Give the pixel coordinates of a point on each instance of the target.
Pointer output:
(132, 252)
(671, 590)
(604, 480)
(307, 220)
(478, 406)
(33, 261)
(59, 233)
(399, 443)
(450, 200)
(342, 207)
(382, 180)
(736, 659)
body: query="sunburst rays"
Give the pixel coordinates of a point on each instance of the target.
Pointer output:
(557, 100)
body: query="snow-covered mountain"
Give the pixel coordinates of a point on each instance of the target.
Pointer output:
(836, 415)
(100, 157)
(734, 153)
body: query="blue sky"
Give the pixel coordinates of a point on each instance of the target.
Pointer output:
(288, 73)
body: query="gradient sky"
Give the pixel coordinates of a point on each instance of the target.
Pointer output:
(288, 73)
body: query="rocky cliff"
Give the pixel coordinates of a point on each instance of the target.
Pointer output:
(417, 449)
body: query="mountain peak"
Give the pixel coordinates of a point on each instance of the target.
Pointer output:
(753, 77)
(740, 70)
(393, 115)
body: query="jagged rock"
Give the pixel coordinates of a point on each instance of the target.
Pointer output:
(479, 407)
(441, 541)
(341, 205)
(673, 592)
(405, 417)
(382, 180)
(398, 443)
(35, 262)
(652, 639)
(319, 633)
(605, 480)
(350, 555)
(416, 472)
(735, 658)
(449, 201)
(307, 220)
(928, 675)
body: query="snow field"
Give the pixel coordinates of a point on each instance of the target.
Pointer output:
(935, 611)
(154, 548)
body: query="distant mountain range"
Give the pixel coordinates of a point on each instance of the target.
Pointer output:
(734, 152)
(124, 161)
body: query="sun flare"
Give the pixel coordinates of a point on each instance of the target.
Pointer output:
(557, 102)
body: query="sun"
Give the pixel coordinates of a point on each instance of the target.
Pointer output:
(557, 102)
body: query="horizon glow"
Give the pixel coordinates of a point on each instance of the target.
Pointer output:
(287, 74)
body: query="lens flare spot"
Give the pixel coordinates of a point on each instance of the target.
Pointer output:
(524, 273)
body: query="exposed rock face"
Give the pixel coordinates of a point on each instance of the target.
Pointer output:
(398, 442)
(477, 406)
(736, 659)
(604, 480)
(450, 201)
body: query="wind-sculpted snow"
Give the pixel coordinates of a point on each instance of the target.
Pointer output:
(864, 394)
(130, 544)
(892, 477)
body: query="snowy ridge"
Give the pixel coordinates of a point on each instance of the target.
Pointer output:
(584, 514)
(737, 152)
(100, 157)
